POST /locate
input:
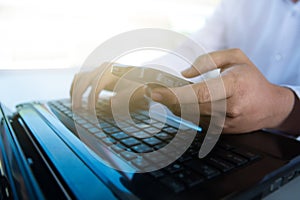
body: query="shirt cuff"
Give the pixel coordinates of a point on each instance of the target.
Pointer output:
(296, 89)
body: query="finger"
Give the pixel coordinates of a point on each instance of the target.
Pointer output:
(94, 93)
(136, 99)
(81, 83)
(100, 79)
(237, 126)
(208, 91)
(106, 82)
(76, 79)
(204, 109)
(72, 85)
(219, 59)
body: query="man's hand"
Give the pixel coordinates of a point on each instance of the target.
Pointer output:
(98, 80)
(252, 102)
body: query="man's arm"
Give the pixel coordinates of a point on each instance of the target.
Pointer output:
(252, 101)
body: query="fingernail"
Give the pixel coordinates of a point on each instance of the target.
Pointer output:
(156, 96)
(185, 72)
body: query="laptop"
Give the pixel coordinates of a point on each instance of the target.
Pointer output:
(50, 152)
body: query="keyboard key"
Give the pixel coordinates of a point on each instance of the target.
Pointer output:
(128, 155)
(189, 178)
(63, 109)
(146, 121)
(247, 154)
(124, 124)
(174, 167)
(157, 174)
(152, 130)
(231, 157)
(140, 117)
(159, 146)
(118, 148)
(163, 136)
(156, 158)
(91, 119)
(122, 147)
(130, 142)
(70, 115)
(140, 163)
(133, 115)
(152, 141)
(192, 152)
(94, 130)
(170, 130)
(143, 112)
(111, 130)
(104, 125)
(80, 121)
(140, 134)
(109, 120)
(108, 141)
(159, 125)
(142, 125)
(184, 158)
(120, 135)
(220, 164)
(203, 169)
(173, 184)
(130, 129)
(76, 117)
(100, 135)
(88, 125)
(141, 148)
(225, 146)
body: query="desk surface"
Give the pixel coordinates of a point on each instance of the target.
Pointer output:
(29, 85)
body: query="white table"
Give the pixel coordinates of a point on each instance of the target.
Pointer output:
(29, 85)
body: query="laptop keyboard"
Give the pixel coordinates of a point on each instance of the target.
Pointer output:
(186, 172)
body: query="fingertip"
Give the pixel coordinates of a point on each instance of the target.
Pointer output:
(186, 73)
(76, 103)
(155, 96)
(91, 102)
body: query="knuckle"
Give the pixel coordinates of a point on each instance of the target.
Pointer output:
(176, 109)
(202, 94)
(229, 126)
(236, 51)
(200, 65)
(171, 96)
(233, 112)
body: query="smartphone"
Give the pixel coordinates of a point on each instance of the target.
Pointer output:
(146, 75)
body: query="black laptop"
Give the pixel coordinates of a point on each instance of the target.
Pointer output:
(44, 157)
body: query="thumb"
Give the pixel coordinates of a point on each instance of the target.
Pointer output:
(189, 72)
(164, 95)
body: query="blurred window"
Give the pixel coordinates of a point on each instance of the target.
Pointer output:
(37, 34)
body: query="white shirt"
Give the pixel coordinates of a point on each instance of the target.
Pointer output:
(267, 31)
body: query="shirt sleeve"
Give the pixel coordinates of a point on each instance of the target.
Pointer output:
(296, 89)
(209, 38)
(213, 35)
